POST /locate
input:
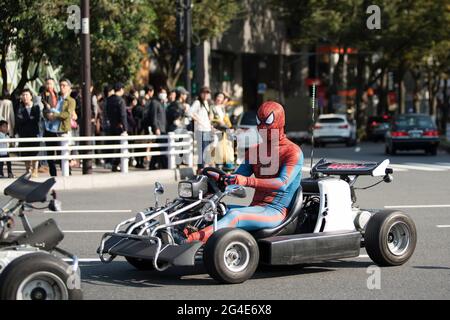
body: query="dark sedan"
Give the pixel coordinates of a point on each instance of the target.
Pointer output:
(412, 132)
(376, 127)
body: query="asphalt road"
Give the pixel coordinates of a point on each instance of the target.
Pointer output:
(421, 182)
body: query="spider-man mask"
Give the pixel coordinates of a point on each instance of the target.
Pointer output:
(270, 117)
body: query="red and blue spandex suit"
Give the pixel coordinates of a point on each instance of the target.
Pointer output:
(273, 193)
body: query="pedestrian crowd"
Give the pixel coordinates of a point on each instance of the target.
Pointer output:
(114, 112)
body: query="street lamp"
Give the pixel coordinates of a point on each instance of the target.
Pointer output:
(184, 35)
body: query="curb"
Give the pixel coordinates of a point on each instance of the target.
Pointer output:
(113, 180)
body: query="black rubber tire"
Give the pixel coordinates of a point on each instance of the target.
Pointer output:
(376, 237)
(141, 264)
(393, 150)
(350, 142)
(432, 151)
(213, 255)
(387, 151)
(19, 269)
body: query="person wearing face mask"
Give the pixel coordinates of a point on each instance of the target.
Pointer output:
(162, 96)
(157, 123)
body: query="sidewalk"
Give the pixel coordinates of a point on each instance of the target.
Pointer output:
(104, 178)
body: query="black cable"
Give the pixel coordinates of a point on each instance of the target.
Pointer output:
(373, 185)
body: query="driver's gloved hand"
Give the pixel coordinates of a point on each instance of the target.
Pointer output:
(235, 179)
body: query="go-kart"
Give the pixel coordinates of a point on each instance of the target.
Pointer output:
(323, 223)
(29, 268)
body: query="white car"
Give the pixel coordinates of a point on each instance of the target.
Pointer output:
(334, 128)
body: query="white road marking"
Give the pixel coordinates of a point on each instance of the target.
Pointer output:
(83, 260)
(90, 211)
(362, 256)
(419, 206)
(435, 166)
(443, 226)
(78, 231)
(418, 166)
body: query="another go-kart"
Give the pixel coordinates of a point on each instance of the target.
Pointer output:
(323, 223)
(29, 270)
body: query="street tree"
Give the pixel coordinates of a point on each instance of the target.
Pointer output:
(117, 29)
(210, 18)
(27, 30)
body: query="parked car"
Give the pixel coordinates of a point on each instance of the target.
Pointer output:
(334, 128)
(376, 127)
(412, 132)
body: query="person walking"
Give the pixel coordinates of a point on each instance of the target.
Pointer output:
(200, 113)
(116, 113)
(27, 126)
(58, 120)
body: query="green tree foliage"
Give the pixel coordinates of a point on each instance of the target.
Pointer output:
(209, 19)
(33, 28)
(410, 30)
(117, 28)
(27, 28)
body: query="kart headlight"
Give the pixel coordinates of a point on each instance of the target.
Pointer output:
(185, 190)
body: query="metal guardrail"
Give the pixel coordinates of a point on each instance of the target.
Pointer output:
(178, 145)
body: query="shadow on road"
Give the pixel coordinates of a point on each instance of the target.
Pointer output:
(120, 273)
(431, 268)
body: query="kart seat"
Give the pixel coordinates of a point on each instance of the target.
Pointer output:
(310, 185)
(29, 191)
(289, 223)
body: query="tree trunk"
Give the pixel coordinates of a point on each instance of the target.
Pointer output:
(400, 89)
(24, 74)
(384, 99)
(4, 71)
(360, 113)
(445, 110)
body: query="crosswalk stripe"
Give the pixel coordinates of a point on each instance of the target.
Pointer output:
(431, 166)
(408, 166)
(418, 167)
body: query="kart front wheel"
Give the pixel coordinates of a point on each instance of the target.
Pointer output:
(39, 276)
(390, 238)
(231, 255)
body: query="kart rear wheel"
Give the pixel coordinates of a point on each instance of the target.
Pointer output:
(39, 276)
(390, 238)
(231, 255)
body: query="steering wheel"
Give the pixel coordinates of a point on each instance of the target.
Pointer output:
(216, 184)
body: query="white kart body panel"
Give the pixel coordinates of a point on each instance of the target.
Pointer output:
(380, 171)
(335, 206)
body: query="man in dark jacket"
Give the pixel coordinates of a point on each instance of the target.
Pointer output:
(116, 115)
(175, 112)
(157, 122)
(27, 126)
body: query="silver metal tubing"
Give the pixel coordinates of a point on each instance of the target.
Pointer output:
(152, 216)
(173, 214)
(173, 224)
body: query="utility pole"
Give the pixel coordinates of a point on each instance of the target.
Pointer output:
(86, 80)
(188, 36)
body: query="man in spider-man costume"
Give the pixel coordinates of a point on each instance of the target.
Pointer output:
(273, 190)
